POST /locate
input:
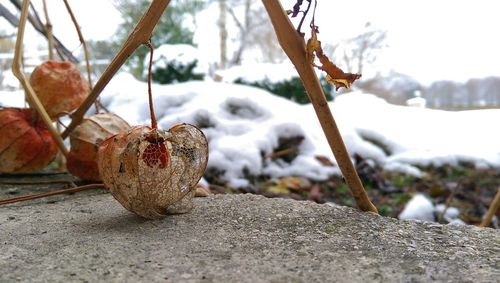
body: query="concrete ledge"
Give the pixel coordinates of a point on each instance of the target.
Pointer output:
(235, 238)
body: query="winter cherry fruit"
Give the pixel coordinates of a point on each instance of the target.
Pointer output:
(59, 86)
(153, 172)
(25, 143)
(85, 140)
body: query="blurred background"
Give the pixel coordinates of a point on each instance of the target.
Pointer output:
(445, 52)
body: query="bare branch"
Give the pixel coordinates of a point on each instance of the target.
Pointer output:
(140, 35)
(35, 21)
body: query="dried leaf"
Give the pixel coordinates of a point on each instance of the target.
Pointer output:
(325, 161)
(294, 183)
(335, 75)
(202, 191)
(278, 190)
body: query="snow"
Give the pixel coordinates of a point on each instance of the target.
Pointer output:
(450, 213)
(253, 72)
(421, 207)
(418, 208)
(244, 126)
(177, 54)
(422, 137)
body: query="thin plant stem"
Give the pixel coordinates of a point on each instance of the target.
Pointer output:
(494, 206)
(35, 21)
(304, 15)
(82, 41)
(48, 30)
(31, 97)
(294, 46)
(140, 35)
(85, 50)
(48, 194)
(447, 203)
(154, 124)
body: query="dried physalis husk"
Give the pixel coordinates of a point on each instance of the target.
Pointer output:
(25, 143)
(153, 172)
(60, 87)
(85, 140)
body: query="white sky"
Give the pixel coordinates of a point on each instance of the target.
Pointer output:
(428, 39)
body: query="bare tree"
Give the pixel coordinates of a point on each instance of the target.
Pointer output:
(223, 33)
(254, 31)
(360, 51)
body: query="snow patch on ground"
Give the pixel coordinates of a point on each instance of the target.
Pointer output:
(246, 125)
(421, 208)
(418, 208)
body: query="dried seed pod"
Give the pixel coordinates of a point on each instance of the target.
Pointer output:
(60, 87)
(85, 140)
(153, 172)
(25, 143)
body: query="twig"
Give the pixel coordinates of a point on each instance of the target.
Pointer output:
(140, 35)
(21, 182)
(48, 30)
(304, 15)
(495, 205)
(154, 124)
(82, 41)
(294, 46)
(38, 25)
(448, 203)
(48, 194)
(31, 96)
(8, 16)
(97, 103)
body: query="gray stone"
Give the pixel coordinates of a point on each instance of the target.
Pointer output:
(89, 237)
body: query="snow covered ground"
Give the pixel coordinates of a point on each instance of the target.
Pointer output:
(244, 126)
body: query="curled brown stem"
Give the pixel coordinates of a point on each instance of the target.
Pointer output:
(294, 46)
(31, 97)
(48, 194)
(140, 35)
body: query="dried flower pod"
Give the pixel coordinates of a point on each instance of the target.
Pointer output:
(85, 140)
(153, 172)
(60, 87)
(25, 143)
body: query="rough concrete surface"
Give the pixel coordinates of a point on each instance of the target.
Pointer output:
(89, 237)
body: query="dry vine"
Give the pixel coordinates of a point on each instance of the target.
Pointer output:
(47, 194)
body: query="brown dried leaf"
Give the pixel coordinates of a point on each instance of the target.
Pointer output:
(294, 183)
(202, 191)
(335, 75)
